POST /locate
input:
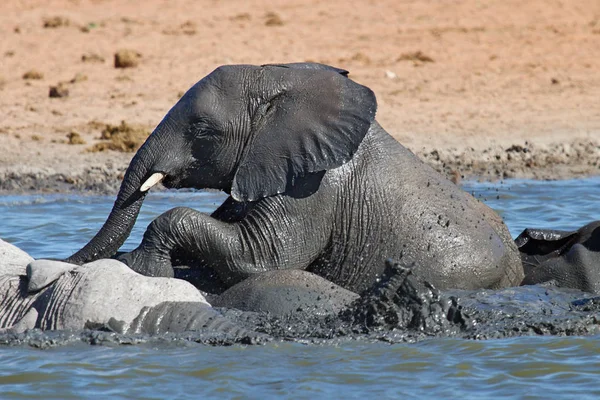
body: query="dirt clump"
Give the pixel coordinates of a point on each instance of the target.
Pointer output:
(241, 17)
(75, 138)
(33, 74)
(59, 90)
(127, 58)
(79, 77)
(92, 58)
(124, 137)
(273, 19)
(358, 57)
(187, 28)
(56, 22)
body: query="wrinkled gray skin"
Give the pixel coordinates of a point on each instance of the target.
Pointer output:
(315, 184)
(564, 258)
(52, 295)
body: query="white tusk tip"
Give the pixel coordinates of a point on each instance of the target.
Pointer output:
(155, 178)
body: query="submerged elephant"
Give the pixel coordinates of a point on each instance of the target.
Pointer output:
(314, 183)
(52, 295)
(106, 294)
(566, 258)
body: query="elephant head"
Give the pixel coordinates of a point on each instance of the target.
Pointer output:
(250, 131)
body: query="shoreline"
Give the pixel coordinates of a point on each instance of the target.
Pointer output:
(490, 91)
(103, 173)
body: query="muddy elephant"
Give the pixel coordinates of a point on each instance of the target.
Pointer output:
(565, 258)
(314, 184)
(52, 295)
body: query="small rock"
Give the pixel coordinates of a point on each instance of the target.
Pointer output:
(127, 59)
(273, 19)
(56, 22)
(33, 74)
(75, 138)
(79, 77)
(390, 75)
(59, 90)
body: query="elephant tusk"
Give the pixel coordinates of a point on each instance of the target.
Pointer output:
(153, 180)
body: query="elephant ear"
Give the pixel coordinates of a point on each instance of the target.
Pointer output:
(313, 120)
(309, 65)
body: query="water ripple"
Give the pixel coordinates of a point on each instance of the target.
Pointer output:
(527, 367)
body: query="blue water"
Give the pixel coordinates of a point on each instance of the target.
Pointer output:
(530, 367)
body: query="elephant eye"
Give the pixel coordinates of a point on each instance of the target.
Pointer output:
(200, 129)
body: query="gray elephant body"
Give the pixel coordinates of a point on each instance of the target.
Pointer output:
(383, 203)
(315, 183)
(53, 295)
(566, 258)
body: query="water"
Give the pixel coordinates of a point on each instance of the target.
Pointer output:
(529, 367)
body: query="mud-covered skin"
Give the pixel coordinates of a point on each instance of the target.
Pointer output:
(315, 183)
(179, 317)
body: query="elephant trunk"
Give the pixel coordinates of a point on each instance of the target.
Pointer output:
(124, 213)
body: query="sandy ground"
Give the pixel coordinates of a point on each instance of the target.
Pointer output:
(489, 89)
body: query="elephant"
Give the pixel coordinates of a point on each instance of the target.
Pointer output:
(565, 258)
(314, 184)
(53, 295)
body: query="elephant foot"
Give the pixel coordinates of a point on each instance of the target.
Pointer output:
(147, 264)
(401, 300)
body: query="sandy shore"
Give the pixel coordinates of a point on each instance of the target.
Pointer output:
(484, 90)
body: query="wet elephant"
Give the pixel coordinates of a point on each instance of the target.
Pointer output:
(52, 295)
(565, 258)
(314, 183)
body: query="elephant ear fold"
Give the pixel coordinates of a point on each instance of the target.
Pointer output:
(309, 65)
(314, 120)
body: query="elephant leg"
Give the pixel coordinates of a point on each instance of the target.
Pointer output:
(177, 231)
(264, 240)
